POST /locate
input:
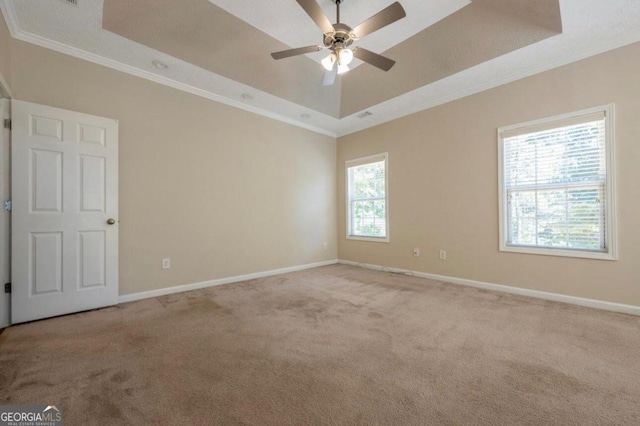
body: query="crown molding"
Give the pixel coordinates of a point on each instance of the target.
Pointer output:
(10, 17)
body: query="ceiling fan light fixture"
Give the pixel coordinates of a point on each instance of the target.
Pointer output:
(329, 61)
(346, 56)
(342, 68)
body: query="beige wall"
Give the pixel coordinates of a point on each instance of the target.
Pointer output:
(220, 191)
(5, 51)
(443, 182)
(225, 192)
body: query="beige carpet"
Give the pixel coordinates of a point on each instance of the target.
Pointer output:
(334, 345)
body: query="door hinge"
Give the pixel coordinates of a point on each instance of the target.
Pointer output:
(7, 123)
(7, 288)
(7, 206)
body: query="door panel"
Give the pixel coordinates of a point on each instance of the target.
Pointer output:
(46, 127)
(45, 181)
(64, 188)
(46, 263)
(92, 134)
(92, 259)
(92, 183)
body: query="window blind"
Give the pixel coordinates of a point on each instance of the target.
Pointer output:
(555, 183)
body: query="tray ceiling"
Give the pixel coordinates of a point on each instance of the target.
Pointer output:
(204, 34)
(445, 49)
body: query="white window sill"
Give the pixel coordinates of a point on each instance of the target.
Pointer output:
(559, 252)
(370, 239)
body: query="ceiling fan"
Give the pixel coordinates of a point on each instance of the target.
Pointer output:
(339, 37)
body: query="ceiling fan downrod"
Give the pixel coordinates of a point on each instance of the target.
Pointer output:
(341, 36)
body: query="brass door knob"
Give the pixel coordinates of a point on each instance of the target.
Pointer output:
(111, 221)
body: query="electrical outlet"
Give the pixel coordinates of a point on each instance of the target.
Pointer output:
(416, 252)
(166, 263)
(324, 246)
(443, 255)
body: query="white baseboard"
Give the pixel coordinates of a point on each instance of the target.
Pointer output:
(220, 281)
(591, 303)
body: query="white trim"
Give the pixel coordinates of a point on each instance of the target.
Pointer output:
(607, 109)
(369, 239)
(5, 217)
(220, 281)
(10, 17)
(563, 298)
(611, 252)
(544, 251)
(359, 162)
(612, 212)
(367, 159)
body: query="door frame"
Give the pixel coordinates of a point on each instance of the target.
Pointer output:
(5, 194)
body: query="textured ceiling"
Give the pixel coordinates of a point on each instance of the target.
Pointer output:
(463, 49)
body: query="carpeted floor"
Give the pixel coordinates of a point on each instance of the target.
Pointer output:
(333, 345)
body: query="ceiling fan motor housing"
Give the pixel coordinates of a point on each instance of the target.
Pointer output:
(341, 38)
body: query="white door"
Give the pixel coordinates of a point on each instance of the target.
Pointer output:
(64, 241)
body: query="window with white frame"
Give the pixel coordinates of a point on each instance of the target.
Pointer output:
(556, 186)
(367, 206)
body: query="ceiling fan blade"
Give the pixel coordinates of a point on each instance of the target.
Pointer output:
(294, 52)
(381, 19)
(374, 59)
(315, 12)
(330, 76)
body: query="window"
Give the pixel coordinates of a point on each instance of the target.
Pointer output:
(556, 186)
(367, 207)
